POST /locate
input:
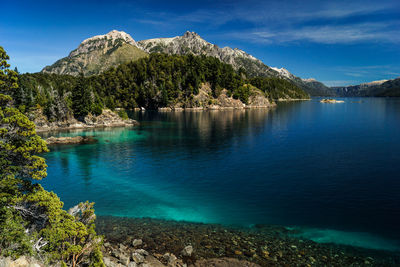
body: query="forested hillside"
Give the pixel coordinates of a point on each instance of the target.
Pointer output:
(157, 81)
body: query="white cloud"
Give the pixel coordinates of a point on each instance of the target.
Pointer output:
(327, 22)
(326, 34)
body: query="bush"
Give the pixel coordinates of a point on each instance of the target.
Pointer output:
(122, 113)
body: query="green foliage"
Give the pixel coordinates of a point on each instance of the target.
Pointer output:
(81, 98)
(19, 144)
(276, 88)
(161, 80)
(13, 240)
(97, 109)
(52, 92)
(156, 81)
(69, 237)
(8, 78)
(242, 93)
(122, 113)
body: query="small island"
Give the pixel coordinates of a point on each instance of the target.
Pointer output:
(329, 100)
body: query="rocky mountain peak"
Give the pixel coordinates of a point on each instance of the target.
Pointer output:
(104, 42)
(97, 54)
(112, 35)
(189, 34)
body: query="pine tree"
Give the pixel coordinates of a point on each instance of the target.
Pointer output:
(81, 99)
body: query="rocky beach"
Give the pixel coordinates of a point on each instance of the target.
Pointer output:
(154, 242)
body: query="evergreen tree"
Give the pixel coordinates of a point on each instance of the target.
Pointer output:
(81, 98)
(69, 236)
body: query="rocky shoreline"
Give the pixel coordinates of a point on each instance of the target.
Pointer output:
(108, 118)
(168, 243)
(135, 242)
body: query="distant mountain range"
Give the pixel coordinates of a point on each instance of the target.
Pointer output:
(375, 88)
(98, 53)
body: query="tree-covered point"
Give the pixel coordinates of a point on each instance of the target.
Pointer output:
(156, 81)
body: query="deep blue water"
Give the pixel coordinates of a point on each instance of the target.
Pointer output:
(331, 169)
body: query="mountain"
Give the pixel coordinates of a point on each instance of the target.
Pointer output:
(316, 88)
(311, 86)
(97, 54)
(375, 88)
(191, 42)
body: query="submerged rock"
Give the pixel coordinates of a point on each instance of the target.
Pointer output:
(70, 140)
(187, 251)
(137, 242)
(137, 257)
(223, 262)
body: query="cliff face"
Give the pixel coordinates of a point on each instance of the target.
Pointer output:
(97, 54)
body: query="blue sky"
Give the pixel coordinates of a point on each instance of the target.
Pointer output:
(336, 42)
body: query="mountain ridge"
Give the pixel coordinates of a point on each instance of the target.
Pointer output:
(375, 88)
(100, 52)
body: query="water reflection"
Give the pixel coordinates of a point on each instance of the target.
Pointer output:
(303, 163)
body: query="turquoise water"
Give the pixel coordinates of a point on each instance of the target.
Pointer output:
(331, 170)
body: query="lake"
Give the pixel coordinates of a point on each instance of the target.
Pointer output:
(331, 170)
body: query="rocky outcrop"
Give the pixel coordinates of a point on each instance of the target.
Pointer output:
(205, 101)
(331, 101)
(22, 261)
(108, 118)
(70, 140)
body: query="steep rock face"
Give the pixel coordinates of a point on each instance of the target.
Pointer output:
(97, 54)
